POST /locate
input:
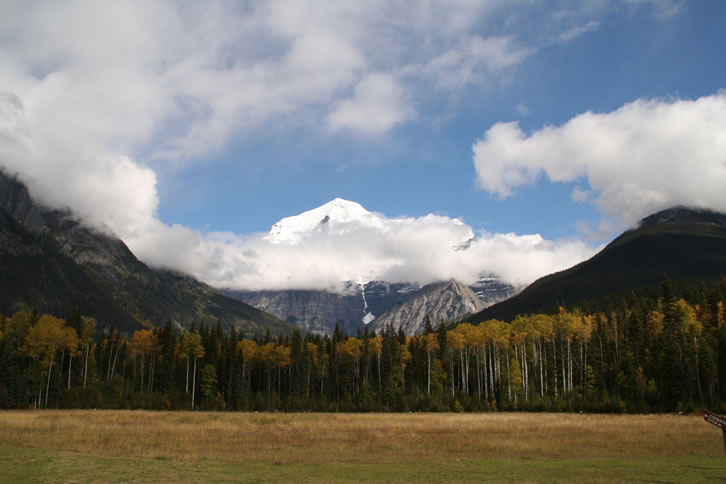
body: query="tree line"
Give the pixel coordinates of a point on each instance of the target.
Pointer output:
(641, 355)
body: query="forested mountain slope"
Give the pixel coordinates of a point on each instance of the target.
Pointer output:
(51, 262)
(680, 243)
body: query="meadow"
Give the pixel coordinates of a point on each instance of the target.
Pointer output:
(142, 446)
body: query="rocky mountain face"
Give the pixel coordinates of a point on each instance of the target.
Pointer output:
(443, 301)
(51, 262)
(314, 311)
(320, 311)
(377, 304)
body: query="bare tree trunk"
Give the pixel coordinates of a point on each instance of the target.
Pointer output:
(543, 350)
(108, 363)
(564, 371)
(615, 329)
(509, 380)
(141, 385)
(194, 380)
(554, 360)
(586, 362)
(478, 375)
(152, 364)
(85, 368)
(541, 380)
(451, 359)
(113, 366)
(491, 371)
(186, 382)
(569, 366)
(322, 378)
(379, 371)
(428, 383)
(525, 377)
(698, 373)
(486, 375)
(582, 366)
(70, 365)
(47, 385)
(307, 389)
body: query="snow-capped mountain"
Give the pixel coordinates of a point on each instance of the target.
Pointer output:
(368, 299)
(337, 216)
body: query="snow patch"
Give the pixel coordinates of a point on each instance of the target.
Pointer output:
(367, 316)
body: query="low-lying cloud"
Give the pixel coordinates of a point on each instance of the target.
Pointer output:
(422, 250)
(648, 155)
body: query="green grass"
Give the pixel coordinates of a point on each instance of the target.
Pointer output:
(46, 465)
(136, 446)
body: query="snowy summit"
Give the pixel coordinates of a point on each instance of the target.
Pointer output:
(335, 217)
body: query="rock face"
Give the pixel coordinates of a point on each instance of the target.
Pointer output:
(377, 304)
(320, 311)
(314, 311)
(49, 261)
(443, 301)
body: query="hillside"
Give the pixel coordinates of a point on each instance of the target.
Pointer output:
(49, 261)
(680, 243)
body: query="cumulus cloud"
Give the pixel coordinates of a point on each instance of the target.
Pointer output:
(648, 155)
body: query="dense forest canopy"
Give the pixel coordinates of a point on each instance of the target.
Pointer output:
(640, 355)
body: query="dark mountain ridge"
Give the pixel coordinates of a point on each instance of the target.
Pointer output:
(51, 262)
(680, 243)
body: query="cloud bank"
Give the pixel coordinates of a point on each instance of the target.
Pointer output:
(648, 155)
(422, 250)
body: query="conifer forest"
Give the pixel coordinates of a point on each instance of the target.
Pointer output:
(641, 354)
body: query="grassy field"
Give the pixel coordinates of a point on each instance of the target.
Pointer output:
(136, 446)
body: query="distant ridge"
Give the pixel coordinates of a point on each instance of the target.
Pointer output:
(680, 242)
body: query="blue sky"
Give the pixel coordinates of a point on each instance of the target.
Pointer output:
(189, 129)
(421, 168)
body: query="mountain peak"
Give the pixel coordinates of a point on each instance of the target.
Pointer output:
(337, 216)
(684, 215)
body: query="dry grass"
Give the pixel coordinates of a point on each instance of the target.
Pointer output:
(358, 438)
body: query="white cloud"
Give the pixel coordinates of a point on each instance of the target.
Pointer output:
(522, 109)
(646, 156)
(662, 9)
(580, 196)
(391, 251)
(470, 59)
(578, 30)
(378, 104)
